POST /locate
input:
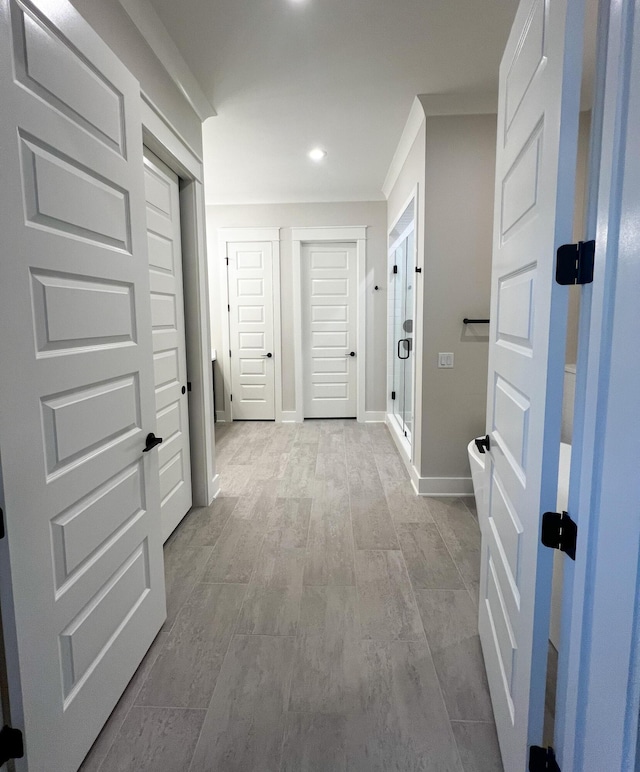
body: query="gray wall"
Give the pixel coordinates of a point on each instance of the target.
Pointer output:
(286, 216)
(459, 193)
(109, 19)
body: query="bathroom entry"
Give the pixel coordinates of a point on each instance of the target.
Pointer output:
(401, 320)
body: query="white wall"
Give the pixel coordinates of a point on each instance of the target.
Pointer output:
(286, 216)
(109, 19)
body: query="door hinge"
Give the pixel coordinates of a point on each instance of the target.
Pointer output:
(574, 264)
(188, 385)
(1, 523)
(228, 308)
(393, 395)
(541, 759)
(230, 397)
(229, 353)
(418, 270)
(559, 532)
(395, 269)
(227, 260)
(11, 744)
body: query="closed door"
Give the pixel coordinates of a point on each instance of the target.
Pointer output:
(81, 567)
(329, 311)
(253, 357)
(169, 349)
(536, 151)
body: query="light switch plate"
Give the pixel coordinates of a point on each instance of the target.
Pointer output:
(445, 359)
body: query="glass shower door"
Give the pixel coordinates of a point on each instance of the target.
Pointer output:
(403, 335)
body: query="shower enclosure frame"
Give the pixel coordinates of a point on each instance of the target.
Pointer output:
(404, 436)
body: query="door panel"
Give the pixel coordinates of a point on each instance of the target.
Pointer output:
(169, 348)
(536, 150)
(250, 277)
(81, 568)
(329, 303)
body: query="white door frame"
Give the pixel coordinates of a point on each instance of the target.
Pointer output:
(324, 234)
(226, 236)
(163, 140)
(598, 683)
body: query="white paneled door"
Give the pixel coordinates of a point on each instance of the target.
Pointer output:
(536, 151)
(251, 334)
(81, 567)
(169, 349)
(329, 329)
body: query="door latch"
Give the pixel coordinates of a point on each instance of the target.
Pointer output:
(483, 443)
(559, 532)
(11, 744)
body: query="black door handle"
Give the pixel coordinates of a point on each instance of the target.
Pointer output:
(352, 353)
(403, 340)
(152, 441)
(482, 443)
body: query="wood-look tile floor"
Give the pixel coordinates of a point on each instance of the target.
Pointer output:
(321, 618)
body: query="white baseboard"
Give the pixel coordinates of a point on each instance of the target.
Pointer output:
(375, 417)
(443, 486)
(221, 417)
(215, 486)
(289, 417)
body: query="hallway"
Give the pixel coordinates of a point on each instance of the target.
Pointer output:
(320, 617)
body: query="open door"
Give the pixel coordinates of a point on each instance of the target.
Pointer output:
(536, 153)
(81, 569)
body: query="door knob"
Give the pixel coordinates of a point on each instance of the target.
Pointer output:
(351, 353)
(482, 443)
(151, 443)
(268, 356)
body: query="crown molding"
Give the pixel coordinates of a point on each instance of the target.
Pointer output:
(150, 26)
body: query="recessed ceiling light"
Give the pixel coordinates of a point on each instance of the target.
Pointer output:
(317, 154)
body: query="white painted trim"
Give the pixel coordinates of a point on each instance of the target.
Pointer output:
(407, 138)
(159, 135)
(357, 234)
(160, 130)
(471, 103)
(216, 486)
(150, 26)
(227, 236)
(443, 486)
(289, 417)
(329, 233)
(375, 417)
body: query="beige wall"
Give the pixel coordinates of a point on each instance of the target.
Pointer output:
(109, 19)
(286, 216)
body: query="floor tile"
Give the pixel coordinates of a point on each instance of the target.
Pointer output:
(185, 673)
(391, 468)
(478, 746)
(244, 725)
(183, 567)
(404, 505)
(387, 606)
(403, 725)
(451, 626)
(203, 525)
(153, 739)
(428, 560)
(290, 518)
(461, 534)
(235, 554)
(314, 743)
(330, 556)
(370, 516)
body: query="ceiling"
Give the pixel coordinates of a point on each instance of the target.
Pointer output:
(289, 75)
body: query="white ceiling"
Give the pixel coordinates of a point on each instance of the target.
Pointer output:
(287, 75)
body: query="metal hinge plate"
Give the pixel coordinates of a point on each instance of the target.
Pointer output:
(395, 269)
(559, 532)
(2, 531)
(393, 395)
(542, 759)
(11, 744)
(227, 260)
(575, 262)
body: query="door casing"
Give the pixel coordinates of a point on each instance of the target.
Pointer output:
(345, 233)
